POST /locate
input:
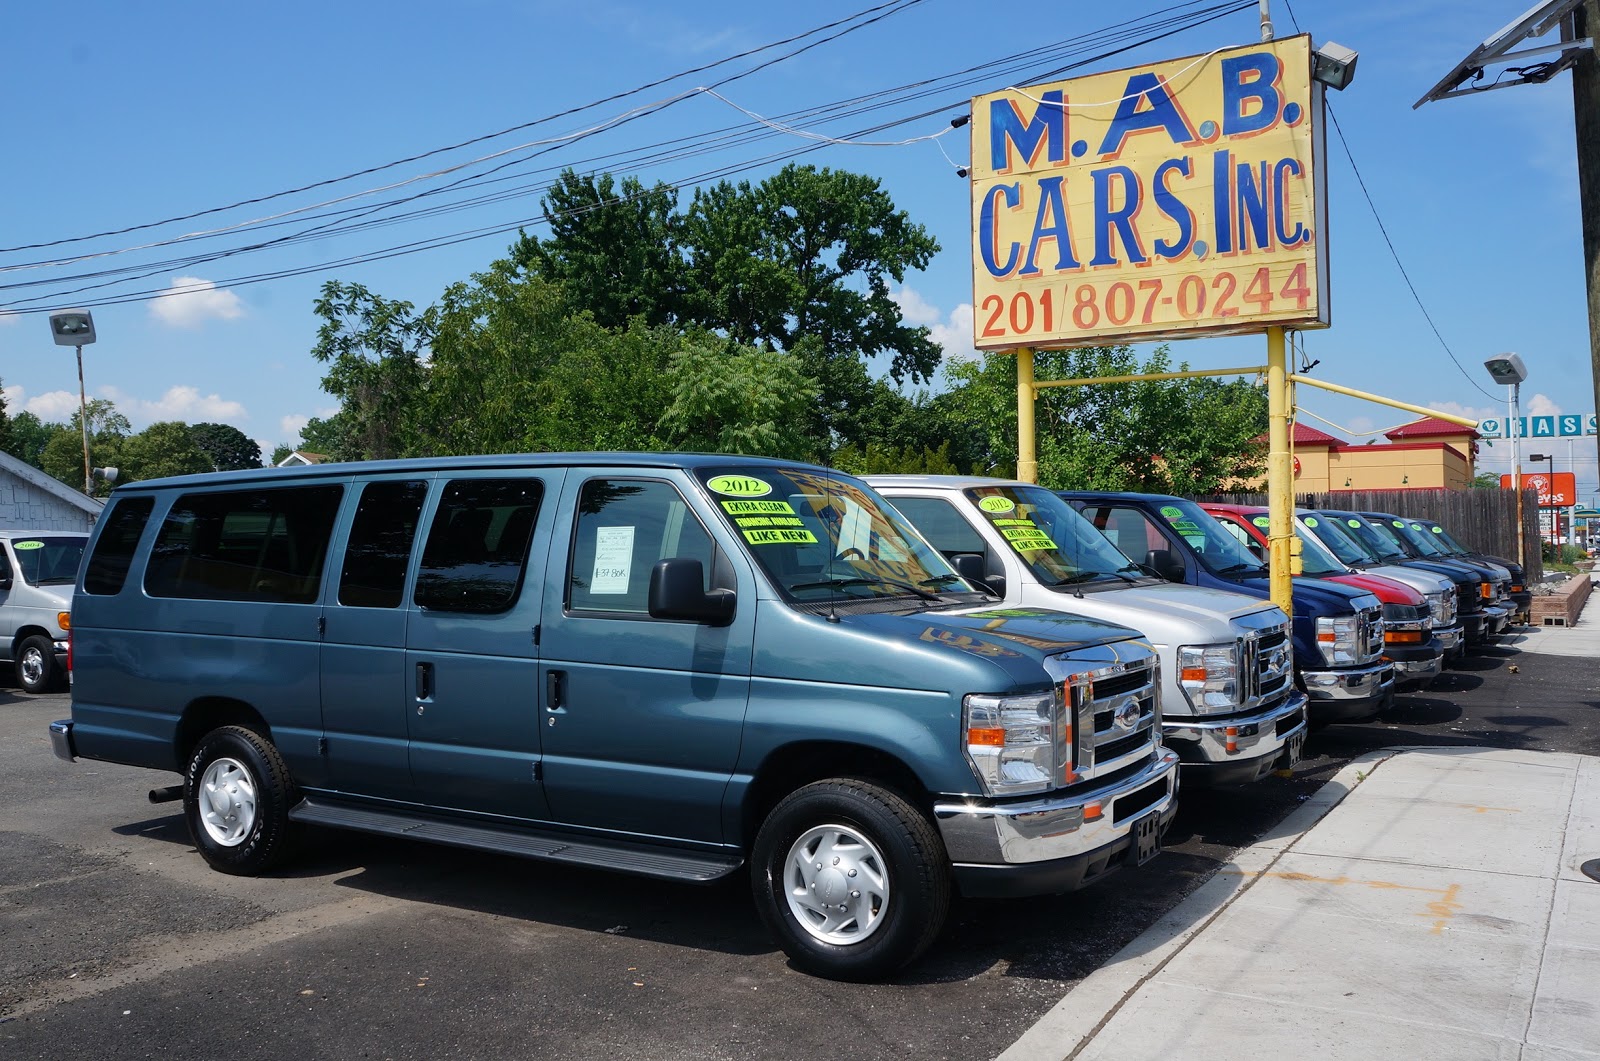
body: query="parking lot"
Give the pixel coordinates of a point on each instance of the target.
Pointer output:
(117, 941)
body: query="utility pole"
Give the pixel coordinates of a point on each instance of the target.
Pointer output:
(1586, 120)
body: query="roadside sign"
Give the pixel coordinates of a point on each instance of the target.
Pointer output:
(1564, 425)
(1557, 491)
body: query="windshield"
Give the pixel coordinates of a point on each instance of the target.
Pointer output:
(45, 561)
(1219, 551)
(1376, 538)
(1445, 539)
(1316, 558)
(1059, 546)
(1332, 532)
(1418, 536)
(826, 537)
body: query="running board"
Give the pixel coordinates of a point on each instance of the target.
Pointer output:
(640, 859)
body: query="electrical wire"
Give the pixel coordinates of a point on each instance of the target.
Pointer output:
(1116, 39)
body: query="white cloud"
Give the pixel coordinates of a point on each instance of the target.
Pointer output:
(53, 406)
(291, 425)
(15, 396)
(1540, 405)
(9, 318)
(191, 301)
(178, 403)
(1473, 412)
(952, 332)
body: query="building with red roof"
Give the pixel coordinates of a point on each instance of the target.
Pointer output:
(1425, 454)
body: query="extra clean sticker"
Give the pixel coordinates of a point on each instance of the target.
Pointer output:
(739, 486)
(780, 537)
(21, 546)
(758, 508)
(998, 505)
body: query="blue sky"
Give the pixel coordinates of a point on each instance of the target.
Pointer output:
(119, 115)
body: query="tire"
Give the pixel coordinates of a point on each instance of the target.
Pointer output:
(236, 798)
(868, 834)
(37, 670)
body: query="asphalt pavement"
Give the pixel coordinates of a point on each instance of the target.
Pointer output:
(1426, 903)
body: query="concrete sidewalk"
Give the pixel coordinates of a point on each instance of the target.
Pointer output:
(1425, 903)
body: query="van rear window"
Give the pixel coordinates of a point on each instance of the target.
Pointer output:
(246, 545)
(113, 551)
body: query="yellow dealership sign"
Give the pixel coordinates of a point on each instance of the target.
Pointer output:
(1177, 199)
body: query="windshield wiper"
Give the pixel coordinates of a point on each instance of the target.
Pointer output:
(1233, 569)
(940, 580)
(1081, 576)
(862, 580)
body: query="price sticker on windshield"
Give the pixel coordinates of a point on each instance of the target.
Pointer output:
(780, 537)
(739, 486)
(22, 546)
(758, 508)
(997, 505)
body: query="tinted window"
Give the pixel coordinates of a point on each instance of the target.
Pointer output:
(381, 536)
(254, 545)
(477, 546)
(625, 527)
(113, 551)
(941, 524)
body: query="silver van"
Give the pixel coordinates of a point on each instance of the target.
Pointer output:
(37, 572)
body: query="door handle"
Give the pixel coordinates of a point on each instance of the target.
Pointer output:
(424, 681)
(554, 688)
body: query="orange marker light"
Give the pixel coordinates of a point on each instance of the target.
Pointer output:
(1403, 637)
(988, 738)
(1092, 812)
(1192, 674)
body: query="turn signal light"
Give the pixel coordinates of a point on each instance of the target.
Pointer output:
(1403, 637)
(64, 620)
(988, 738)
(1092, 812)
(1486, 590)
(1192, 674)
(1327, 635)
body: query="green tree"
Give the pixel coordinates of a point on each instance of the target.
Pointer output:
(374, 350)
(280, 451)
(808, 253)
(6, 441)
(29, 435)
(1486, 481)
(163, 449)
(228, 448)
(738, 401)
(614, 250)
(62, 454)
(1176, 436)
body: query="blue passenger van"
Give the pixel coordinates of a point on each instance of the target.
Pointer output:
(676, 666)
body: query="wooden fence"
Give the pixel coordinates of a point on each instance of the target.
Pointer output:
(1483, 520)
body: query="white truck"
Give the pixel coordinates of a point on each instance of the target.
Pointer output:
(1230, 706)
(37, 572)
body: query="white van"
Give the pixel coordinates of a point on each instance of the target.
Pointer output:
(37, 572)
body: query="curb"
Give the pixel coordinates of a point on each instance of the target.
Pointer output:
(1074, 1021)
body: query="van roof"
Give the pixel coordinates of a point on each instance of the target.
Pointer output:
(340, 470)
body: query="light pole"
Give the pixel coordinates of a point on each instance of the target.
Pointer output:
(1509, 369)
(75, 327)
(1555, 511)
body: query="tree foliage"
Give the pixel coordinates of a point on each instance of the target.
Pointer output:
(373, 348)
(163, 449)
(226, 447)
(1187, 436)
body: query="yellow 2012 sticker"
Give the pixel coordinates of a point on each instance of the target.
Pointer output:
(739, 486)
(777, 536)
(997, 504)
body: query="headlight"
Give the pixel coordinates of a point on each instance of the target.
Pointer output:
(1442, 606)
(1011, 741)
(1209, 676)
(1339, 639)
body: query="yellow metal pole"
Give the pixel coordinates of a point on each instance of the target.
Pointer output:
(1421, 410)
(1027, 456)
(1280, 473)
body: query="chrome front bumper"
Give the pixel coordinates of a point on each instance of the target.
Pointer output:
(983, 833)
(1236, 739)
(1356, 683)
(1449, 638)
(1418, 671)
(61, 740)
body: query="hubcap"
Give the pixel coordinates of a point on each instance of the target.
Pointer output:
(32, 666)
(227, 799)
(837, 883)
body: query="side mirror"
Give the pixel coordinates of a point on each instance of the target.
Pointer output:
(1163, 563)
(676, 593)
(972, 567)
(5, 581)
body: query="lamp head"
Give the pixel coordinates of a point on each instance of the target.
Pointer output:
(1506, 368)
(1334, 65)
(72, 327)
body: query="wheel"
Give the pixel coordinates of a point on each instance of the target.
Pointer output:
(236, 799)
(851, 879)
(37, 671)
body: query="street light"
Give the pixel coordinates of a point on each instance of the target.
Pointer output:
(1508, 369)
(75, 327)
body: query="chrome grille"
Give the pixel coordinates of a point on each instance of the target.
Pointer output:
(1370, 621)
(1266, 665)
(1116, 718)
